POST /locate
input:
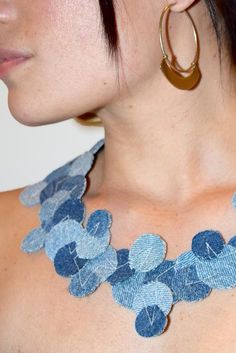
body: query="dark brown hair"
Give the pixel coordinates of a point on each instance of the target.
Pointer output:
(221, 12)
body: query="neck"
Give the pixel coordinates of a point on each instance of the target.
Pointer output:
(172, 145)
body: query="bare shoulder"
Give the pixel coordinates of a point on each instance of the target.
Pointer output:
(15, 219)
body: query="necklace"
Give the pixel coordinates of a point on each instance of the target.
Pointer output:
(142, 279)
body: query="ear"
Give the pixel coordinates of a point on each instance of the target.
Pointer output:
(180, 5)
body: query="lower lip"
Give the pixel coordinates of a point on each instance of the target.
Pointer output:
(6, 66)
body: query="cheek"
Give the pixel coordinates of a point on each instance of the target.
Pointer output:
(69, 58)
(70, 30)
(72, 23)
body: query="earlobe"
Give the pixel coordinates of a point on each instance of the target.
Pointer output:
(180, 5)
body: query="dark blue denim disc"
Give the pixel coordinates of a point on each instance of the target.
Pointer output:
(67, 262)
(69, 209)
(83, 283)
(163, 273)
(98, 223)
(150, 321)
(208, 244)
(188, 286)
(123, 270)
(58, 172)
(232, 241)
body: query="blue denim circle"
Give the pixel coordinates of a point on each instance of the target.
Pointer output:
(34, 240)
(147, 252)
(82, 164)
(220, 272)
(124, 292)
(58, 173)
(232, 241)
(188, 286)
(123, 270)
(83, 283)
(153, 293)
(104, 264)
(30, 195)
(150, 321)
(98, 223)
(67, 262)
(62, 234)
(69, 209)
(208, 244)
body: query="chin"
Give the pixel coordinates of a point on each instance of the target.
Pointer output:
(31, 114)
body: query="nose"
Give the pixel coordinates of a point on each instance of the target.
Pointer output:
(7, 12)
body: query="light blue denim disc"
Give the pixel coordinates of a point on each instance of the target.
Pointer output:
(34, 240)
(89, 247)
(50, 206)
(187, 258)
(104, 264)
(30, 195)
(82, 164)
(124, 292)
(61, 234)
(153, 293)
(147, 252)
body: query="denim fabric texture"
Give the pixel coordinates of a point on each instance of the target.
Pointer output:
(82, 164)
(67, 262)
(34, 241)
(207, 245)
(153, 293)
(232, 241)
(150, 321)
(147, 252)
(123, 270)
(141, 278)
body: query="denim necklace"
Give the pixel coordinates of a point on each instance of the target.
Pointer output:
(142, 280)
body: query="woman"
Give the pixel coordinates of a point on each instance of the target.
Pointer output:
(168, 166)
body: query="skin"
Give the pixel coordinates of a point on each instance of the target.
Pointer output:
(171, 146)
(169, 165)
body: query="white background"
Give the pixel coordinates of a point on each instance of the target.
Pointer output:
(29, 153)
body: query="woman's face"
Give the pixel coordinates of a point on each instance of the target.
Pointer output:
(69, 73)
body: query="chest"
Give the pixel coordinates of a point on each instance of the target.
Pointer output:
(37, 313)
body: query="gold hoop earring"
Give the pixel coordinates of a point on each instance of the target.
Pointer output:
(171, 72)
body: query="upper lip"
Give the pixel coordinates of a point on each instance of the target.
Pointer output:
(8, 54)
